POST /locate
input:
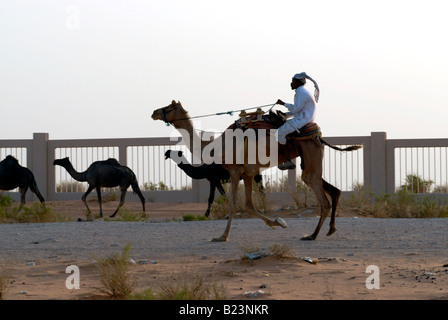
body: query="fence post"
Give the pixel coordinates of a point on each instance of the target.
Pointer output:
(378, 173)
(39, 159)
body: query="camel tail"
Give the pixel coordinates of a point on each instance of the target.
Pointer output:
(349, 148)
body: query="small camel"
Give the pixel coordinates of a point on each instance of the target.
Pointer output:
(311, 151)
(107, 174)
(13, 175)
(214, 173)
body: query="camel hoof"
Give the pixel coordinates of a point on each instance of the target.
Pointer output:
(220, 239)
(308, 238)
(281, 222)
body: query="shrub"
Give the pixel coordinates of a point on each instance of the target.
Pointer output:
(416, 184)
(4, 280)
(192, 217)
(36, 213)
(126, 215)
(189, 285)
(114, 276)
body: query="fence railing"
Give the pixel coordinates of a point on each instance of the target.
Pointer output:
(381, 166)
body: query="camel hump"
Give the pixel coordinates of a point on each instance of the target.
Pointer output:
(113, 162)
(11, 159)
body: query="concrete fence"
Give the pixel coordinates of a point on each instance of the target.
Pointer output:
(381, 166)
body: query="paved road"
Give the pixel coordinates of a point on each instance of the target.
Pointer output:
(165, 240)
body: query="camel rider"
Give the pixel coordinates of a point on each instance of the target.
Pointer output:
(302, 111)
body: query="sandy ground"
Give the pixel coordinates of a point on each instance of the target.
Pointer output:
(412, 263)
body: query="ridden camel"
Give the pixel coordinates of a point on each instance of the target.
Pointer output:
(311, 151)
(13, 175)
(214, 173)
(107, 174)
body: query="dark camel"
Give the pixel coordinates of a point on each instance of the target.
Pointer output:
(311, 152)
(106, 174)
(214, 173)
(13, 175)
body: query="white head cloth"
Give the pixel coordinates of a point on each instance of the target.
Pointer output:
(303, 75)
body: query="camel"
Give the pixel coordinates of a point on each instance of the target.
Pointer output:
(107, 174)
(13, 175)
(214, 173)
(311, 152)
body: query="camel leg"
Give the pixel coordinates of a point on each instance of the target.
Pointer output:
(316, 184)
(234, 181)
(248, 185)
(142, 200)
(35, 190)
(259, 181)
(334, 193)
(312, 155)
(84, 197)
(98, 192)
(220, 188)
(22, 197)
(122, 197)
(211, 197)
(136, 189)
(213, 185)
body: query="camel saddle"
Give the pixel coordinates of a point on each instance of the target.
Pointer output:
(309, 131)
(256, 121)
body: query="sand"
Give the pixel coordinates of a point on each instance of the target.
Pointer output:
(410, 254)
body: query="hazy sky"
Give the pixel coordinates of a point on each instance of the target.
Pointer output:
(98, 69)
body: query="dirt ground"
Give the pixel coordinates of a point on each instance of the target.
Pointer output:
(288, 278)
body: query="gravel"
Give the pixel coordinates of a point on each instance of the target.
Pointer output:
(359, 237)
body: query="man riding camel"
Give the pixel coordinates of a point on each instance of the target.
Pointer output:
(302, 111)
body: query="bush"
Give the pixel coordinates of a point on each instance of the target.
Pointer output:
(188, 284)
(36, 213)
(4, 280)
(127, 215)
(115, 278)
(192, 217)
(416, 184)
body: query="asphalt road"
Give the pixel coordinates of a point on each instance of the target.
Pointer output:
(355, 237)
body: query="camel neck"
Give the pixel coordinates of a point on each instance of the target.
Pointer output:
(78, 176)
(191, 139)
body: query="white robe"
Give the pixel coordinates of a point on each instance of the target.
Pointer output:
(303, 111)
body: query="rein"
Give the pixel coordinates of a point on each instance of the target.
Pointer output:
(164, 112)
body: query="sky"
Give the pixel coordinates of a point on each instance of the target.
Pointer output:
(83, 69)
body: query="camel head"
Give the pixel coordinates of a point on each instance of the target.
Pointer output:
(168, 154)
(170, 113)
(176, 155)
(61, 162)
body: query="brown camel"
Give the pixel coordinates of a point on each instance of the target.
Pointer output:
(311, 151)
